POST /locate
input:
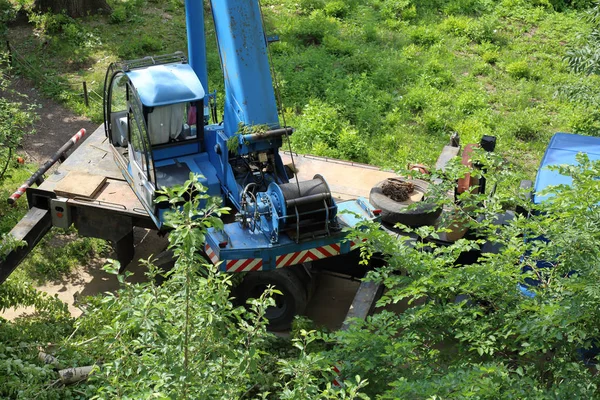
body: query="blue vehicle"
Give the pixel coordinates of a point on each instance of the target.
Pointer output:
(562, 150)
(162, 125)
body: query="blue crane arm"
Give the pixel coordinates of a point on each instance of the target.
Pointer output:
(249, 95)
(194, 16)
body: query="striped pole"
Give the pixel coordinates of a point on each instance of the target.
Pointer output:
(60, 153)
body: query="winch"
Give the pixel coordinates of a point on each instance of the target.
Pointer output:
(302, 209)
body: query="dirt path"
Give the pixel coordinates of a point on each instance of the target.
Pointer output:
(55, 125)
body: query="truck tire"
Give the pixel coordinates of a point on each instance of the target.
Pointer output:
(290, 303)
(164, 262)
(394, 212)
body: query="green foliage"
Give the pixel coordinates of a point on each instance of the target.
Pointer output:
(16, 117)
(467, 330)
(518, 70)
(138, 46)
(7, 14)
(182, 339)
(59, 253)
(126, 11)
(365, 58)
(322, 130)
(337, 9)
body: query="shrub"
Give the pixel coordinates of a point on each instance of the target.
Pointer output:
(471, 129)
(312, 30)
(490, 56)
(126, 11)
(518, 70)
(435, 122)
(396, 10)
(481, 68)
(337, 46)
(50, 23)
(139, 46)
(319, 123)
(8, 12)
(527, 125)
(418, 97)
(469, 102)
(437, 74)
(585, 121)
(337, 9)
(466, 6)
(321, 130)
(308, 6)
(352, 146)
(480, 30)
(424, 35)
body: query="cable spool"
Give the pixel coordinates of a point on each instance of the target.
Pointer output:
(308, 202)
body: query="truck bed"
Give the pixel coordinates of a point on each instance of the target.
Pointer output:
(94, 157)
(346, 180)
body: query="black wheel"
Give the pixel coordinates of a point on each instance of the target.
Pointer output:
(165, 261)
(290, 303)
(394, 212)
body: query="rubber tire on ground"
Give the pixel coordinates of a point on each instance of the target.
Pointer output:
(292, 302)
(394, 212)
(164, 262)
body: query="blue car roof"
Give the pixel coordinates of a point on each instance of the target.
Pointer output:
(562, 149)
(160, 85)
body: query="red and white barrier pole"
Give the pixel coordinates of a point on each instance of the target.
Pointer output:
(60, 153)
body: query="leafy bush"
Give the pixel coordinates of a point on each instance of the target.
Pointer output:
(468, 331)
(139, 46)
(323, 132)
(125, 11)
(49, 23)
(526, 125)
(337, 9)
(453, 7)
(394, 12)
(424, 35)
(479, 30)
(59, 253)
(586, 121)
(312, 30)
(518, 70)
(307, 6)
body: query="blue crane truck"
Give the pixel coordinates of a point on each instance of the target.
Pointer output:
(161, 125)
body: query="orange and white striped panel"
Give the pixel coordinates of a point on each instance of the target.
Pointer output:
(211, 254)
(337, 381)
(300, 257)
(244, 265)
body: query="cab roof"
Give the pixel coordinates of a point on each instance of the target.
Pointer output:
(562, 149)
(160, 85)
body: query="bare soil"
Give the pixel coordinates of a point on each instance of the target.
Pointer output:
(55, 125)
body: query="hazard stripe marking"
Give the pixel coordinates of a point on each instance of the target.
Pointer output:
(284, 260)
(211, 254)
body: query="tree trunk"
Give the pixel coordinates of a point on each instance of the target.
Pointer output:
(73, 8)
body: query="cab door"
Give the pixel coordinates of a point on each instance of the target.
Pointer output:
(140, 159)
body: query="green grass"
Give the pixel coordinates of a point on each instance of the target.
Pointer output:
(398, 76)
(59, 253)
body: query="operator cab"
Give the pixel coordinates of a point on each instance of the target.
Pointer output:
(151, 122)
